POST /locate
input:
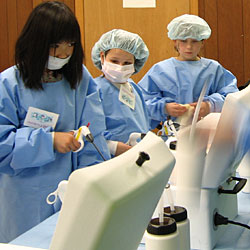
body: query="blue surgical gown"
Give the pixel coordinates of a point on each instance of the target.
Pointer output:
(30, 168)
(121, 120)
(177, 81)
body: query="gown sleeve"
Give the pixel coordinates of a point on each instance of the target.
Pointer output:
(155, 97)
(225, 83)
(94, 115)
(21, 147)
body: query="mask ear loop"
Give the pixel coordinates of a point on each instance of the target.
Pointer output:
(104, 58)
(102, 63)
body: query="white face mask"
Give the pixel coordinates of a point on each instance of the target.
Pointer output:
(55, 63)
(117, 73)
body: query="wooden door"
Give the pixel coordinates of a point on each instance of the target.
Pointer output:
(246, 36)
(230, 40)
(100, 16)
(13, 15)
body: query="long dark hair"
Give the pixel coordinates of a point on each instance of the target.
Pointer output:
(49, 23)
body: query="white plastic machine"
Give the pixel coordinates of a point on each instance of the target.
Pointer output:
(244, 167)
(244, 171)
(109, 205)
(205, 174)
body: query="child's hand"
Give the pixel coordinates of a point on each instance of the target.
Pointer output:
(204, 110)
(175, 109)
(121, 148)
(65, 142)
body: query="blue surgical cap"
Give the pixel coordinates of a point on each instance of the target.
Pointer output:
(121, 39)
(188, 26)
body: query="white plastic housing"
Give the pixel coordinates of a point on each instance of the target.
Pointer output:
(207, 162)
(108, 206)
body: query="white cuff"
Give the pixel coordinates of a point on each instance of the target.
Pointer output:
(112, 145)
(53, 135)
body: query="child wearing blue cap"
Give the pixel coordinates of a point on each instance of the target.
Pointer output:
(173, 83)
(120, 54)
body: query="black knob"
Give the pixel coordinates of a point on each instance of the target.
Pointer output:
(142, 157)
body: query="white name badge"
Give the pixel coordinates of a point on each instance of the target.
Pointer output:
(127, 97)
(38, 118)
